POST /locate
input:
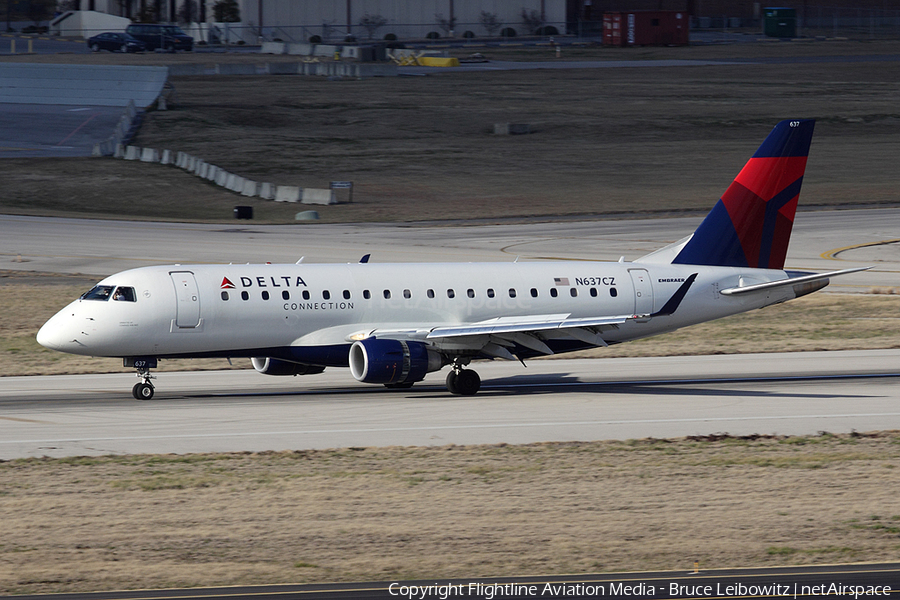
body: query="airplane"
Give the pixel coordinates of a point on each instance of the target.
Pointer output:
(392, 324)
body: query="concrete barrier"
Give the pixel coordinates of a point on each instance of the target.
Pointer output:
(149, 155)
(166, 157)
(267, 191)
(235, 183)
(251, 188)
(287, 193)
(325, 50)
(202, 169)
(132, 153)
(299, 49)
(272, 48)
(120, 151)
(318, 196)
(221, 177)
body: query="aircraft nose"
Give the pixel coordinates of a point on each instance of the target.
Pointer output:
(64, 332)
(49, 335)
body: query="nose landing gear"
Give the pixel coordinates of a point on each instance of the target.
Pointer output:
(144, 389)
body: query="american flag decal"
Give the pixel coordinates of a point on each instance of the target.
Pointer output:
(561, 280)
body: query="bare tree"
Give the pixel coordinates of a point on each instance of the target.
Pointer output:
(38, 10)
(490, 22)
(532, 20)
(227, 11)
(372, 23)
(447, 25)
(188, 12)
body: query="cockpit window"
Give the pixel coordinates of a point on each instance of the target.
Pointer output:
(124, 294)
(98, 292)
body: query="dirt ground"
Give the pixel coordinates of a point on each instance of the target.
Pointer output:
(366, 514)
(605, 141)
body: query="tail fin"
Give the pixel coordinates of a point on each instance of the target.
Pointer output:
(751, 225)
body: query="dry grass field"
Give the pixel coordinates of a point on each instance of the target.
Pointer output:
(605, 142)
(375, 514)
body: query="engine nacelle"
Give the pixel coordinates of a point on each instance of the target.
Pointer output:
(274, 366)
(392, 361)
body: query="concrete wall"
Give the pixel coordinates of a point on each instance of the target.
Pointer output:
(420, 14)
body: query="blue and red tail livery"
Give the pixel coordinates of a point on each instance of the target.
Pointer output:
(751, 224)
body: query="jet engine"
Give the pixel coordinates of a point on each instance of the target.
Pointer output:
(392, 361)
(274, 366)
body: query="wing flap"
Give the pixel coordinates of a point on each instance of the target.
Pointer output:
(537, 323)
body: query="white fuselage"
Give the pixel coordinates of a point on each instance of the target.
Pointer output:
(317, 310)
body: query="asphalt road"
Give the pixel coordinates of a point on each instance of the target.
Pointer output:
(856, 581)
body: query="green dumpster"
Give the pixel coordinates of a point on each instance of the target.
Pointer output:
(780, 22)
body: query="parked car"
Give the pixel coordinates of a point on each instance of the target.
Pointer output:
(115, 42)
(167, 37)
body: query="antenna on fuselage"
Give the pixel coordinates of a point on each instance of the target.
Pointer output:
(365, 259)
(300, 261)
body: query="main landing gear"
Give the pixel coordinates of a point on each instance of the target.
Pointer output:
(463, 382)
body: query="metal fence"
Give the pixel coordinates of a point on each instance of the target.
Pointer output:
(818, 21)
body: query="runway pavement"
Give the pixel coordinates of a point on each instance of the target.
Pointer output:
(551, 400)
(822, 240)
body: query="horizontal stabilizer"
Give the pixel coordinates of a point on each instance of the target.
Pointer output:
(789, 281)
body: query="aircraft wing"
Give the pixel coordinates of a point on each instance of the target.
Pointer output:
(805, 279)
(527, 324)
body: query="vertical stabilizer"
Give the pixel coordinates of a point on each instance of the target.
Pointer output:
(751, 224)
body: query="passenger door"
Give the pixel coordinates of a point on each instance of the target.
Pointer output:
(187, 294)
